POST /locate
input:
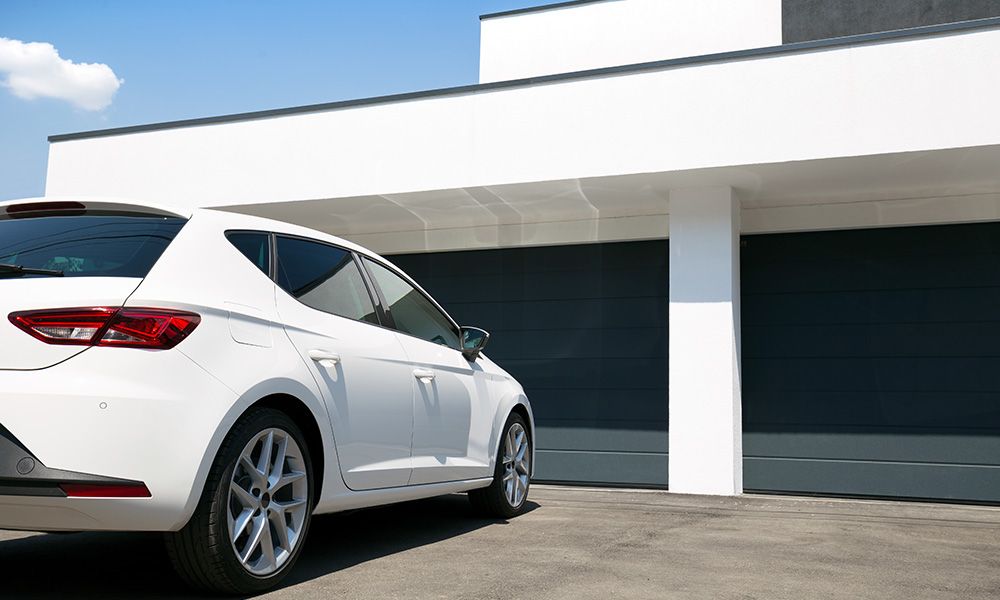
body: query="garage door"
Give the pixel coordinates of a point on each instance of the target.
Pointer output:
(871, 362)
(584, 329)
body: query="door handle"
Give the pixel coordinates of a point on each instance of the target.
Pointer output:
(424, 375)
(327, 359)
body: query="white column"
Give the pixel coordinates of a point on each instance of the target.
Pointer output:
(706, 430)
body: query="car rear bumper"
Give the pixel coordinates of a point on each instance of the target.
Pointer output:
(22, 474)
(108, 416)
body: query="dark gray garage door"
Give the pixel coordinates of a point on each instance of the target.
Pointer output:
(871, 362)
(584, 329)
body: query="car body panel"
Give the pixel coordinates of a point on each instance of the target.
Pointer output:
(367, 392)
(160, 416)
(106, 413)
(451, 414)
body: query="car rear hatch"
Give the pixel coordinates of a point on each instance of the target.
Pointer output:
(58, 255)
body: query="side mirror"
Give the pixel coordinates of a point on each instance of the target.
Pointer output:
(473, 342)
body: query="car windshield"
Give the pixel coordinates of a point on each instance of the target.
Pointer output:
(85, 245)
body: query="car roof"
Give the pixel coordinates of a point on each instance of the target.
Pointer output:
(243, 221)
(238, 220)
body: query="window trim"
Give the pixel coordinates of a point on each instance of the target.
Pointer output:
(381, 308)
(270, 249)
(376, 302)
(420, 290)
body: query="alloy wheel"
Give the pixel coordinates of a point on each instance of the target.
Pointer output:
(268, 502)
(516, 465)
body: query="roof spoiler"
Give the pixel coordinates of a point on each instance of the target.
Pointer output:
(34, 207)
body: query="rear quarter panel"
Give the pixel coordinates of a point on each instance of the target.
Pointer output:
(239, 341)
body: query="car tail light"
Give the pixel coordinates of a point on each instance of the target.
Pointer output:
(116, 490)
(153, 328)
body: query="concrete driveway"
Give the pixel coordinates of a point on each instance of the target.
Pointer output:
(575, 544)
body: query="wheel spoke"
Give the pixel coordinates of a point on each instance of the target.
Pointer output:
(280, 524)
(274, 474)
(259, 525)
(522, 449)
(267, 547)
(510, 448)
(241, 522)
(264, 462)
(286, 479)
(288, 506)
(243, 496)
(251, 470)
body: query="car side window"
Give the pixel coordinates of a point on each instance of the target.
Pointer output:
(325, 278)
(412, 312)
(253, 245)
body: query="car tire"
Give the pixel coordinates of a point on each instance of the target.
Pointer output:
(507, 495)
(205, 552)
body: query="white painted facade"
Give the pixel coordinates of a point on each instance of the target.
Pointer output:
(706, 439)
(544, 153)
(893, 131)
(620, 32)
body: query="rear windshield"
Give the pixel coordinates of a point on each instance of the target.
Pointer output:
(87, 245)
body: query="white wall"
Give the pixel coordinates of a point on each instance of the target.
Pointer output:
(900, 96)
(621, 32)
(706, 451)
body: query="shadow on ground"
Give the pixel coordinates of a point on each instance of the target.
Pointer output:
(124, 565)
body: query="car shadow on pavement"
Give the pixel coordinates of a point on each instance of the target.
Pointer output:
(131, 565)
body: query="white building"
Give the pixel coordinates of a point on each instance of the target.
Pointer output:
(725, 244)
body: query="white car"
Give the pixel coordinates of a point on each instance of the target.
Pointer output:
(222, 378)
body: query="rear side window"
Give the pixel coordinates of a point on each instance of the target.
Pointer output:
(253, 245)
(86, 245)
(325, 278)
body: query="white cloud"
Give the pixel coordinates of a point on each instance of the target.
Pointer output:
(35, 70)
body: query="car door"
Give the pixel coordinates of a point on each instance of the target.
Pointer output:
(451, 409)
(334, 322)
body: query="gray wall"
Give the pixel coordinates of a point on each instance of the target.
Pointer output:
(804, 20)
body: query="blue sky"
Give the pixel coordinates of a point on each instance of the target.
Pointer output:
(181, 59)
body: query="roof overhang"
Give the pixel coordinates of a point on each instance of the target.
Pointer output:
(911, 188)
